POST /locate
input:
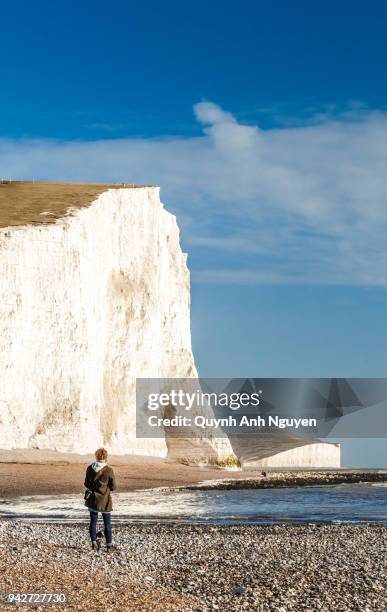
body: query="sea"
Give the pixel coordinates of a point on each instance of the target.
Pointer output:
(342, 503)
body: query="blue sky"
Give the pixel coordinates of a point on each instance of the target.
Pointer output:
(81, 69)
(265, 125)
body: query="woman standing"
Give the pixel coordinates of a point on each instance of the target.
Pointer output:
(99, 482)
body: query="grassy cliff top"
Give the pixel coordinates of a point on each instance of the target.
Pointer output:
(24, 202)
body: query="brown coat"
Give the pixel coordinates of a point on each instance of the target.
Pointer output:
(100, 485)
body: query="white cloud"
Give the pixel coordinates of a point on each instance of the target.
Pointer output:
(301, 204)
(208, 112)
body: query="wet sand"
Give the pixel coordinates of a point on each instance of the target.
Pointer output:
(30, 472)
(49, 473)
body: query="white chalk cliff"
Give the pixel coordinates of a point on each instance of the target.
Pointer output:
(87, 304)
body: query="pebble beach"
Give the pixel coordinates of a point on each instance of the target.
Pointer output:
(277, 568)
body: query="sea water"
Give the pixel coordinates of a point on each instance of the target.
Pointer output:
(345, 503)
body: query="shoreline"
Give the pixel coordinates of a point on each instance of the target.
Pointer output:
(177, 523)
(27, 473)
(32, 472)
(199, 567)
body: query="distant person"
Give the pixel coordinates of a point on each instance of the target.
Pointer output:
(99, 482)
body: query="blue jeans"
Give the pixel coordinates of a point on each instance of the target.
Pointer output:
(107, 524)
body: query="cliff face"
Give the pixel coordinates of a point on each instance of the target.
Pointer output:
(87, 304)
(89, 301)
